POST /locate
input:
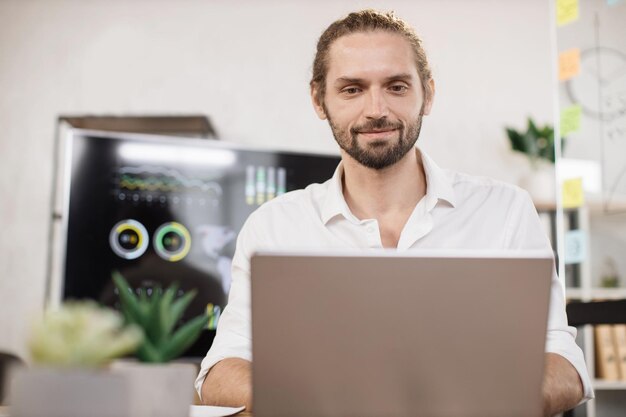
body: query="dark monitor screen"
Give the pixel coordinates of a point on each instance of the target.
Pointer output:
(164, 209)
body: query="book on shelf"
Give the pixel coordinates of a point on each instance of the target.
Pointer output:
(607, 366)
(619, 333)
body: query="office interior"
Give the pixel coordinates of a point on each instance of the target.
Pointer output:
(245, 65)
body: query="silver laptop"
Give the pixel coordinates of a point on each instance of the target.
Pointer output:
(396, 335)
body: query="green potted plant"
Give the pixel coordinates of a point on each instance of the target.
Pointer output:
(70, 348)
(537, 144)
(159, 388)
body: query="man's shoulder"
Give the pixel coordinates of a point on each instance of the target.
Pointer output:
(479, 181)
(476, 186)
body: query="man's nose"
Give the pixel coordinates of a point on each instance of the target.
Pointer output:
(376, 104)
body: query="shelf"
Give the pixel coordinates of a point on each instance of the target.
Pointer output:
(573, 293)
(608, 293)
(595, 206)
(595, 294)
(601, 384)
(545, 205)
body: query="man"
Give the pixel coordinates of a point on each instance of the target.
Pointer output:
(372, 82)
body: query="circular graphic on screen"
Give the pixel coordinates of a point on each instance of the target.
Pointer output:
(128, 239)
(172, 241)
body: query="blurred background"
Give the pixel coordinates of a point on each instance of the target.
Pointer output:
(246, 64)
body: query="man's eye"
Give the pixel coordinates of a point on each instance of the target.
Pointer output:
(351, 90)
(398, 88)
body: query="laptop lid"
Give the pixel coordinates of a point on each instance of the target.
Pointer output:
(386, 334)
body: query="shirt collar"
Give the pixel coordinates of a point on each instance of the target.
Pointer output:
(438, 183)
(335, 204)
(438, 187)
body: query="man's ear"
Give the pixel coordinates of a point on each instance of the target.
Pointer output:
(430, 98)
(317, 105)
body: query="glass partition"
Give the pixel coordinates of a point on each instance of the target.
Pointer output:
(590, 54)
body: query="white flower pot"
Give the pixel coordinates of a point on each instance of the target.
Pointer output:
(68, 393)
(541, 183)
(158, 390)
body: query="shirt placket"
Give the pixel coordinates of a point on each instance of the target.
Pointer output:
(420, 224)
(372, 233)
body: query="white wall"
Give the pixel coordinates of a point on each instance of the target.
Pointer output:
(247, 65)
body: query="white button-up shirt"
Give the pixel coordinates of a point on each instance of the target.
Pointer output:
(458, 212)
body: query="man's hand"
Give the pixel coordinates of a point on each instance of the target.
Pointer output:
(562, 387)
(229, 384)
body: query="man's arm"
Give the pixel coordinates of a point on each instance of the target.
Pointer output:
(566, 381)
(229, 384)
(562, 387)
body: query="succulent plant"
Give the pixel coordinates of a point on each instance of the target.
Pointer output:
(537, 142)
(158, 315)
(82, 334)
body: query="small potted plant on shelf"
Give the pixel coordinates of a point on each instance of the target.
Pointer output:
(159, 388)
(537, 144)
(70, 348)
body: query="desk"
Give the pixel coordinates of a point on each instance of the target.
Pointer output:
(4, 412)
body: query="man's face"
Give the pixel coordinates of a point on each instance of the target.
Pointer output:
(374, 101)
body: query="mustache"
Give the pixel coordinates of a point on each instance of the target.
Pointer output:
(377, 124)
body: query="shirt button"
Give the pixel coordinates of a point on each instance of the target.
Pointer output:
(370, 229)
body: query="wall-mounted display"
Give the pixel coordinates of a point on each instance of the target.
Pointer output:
(164, 209)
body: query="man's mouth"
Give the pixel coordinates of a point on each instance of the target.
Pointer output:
(377, 133)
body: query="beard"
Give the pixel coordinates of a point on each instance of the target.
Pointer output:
(378, 154)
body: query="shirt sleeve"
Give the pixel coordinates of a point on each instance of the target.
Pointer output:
(233, 337)
(525, 232)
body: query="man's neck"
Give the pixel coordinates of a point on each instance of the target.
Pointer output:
(377, 194)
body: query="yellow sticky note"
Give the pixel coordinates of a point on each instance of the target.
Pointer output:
(569, 64)
(566, 11)
(570, 119)
(573, 195)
